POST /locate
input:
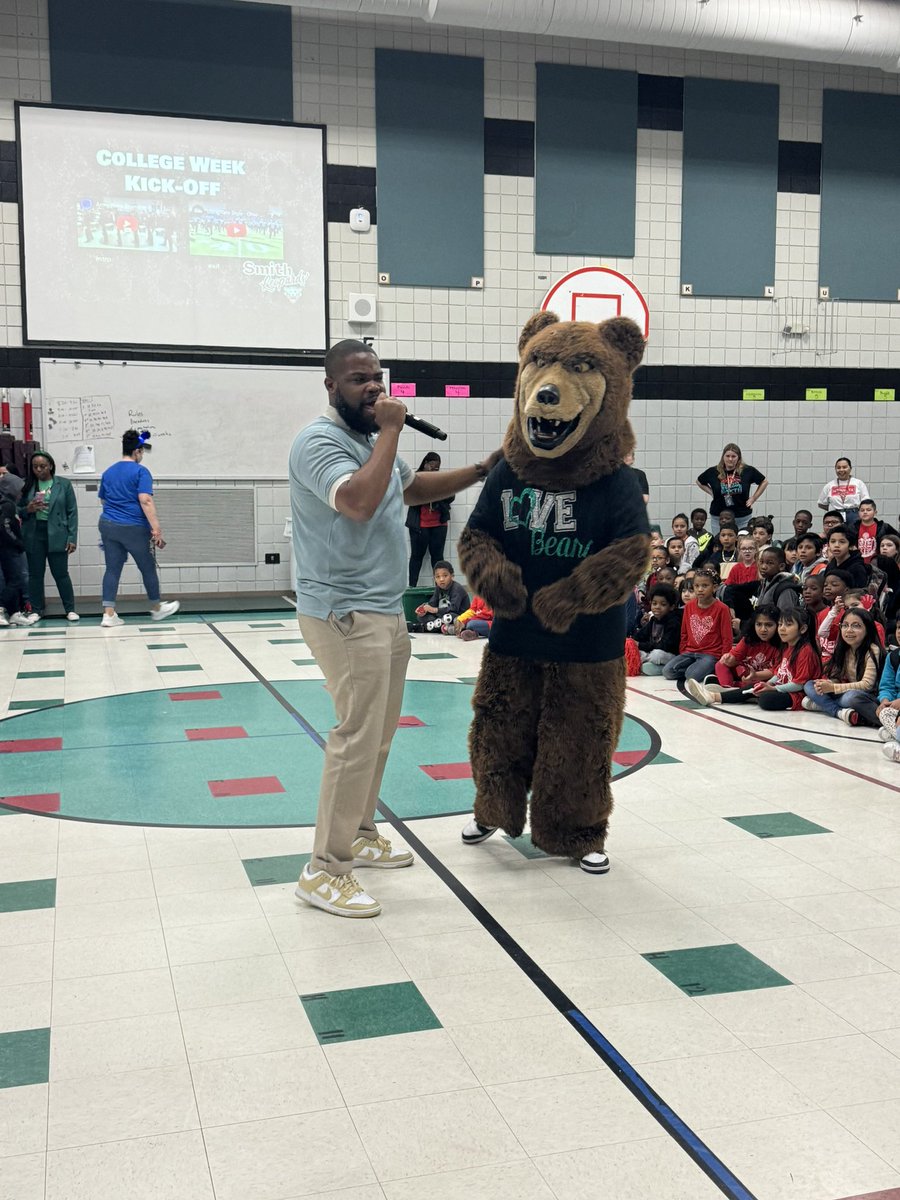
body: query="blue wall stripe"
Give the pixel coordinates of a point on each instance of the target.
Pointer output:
(729, 187)
(201, 59)
(585, 160)
(859, 243)
(429, 128)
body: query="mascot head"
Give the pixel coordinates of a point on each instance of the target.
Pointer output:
(570, 422)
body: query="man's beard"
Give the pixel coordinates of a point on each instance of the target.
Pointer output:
(358, 420)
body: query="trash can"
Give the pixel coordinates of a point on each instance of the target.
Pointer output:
(412, 598)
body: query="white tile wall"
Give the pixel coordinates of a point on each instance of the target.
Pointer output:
(334, 83)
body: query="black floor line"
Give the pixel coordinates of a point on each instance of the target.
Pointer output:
(694, 1147)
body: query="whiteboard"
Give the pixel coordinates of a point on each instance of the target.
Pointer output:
(207, 420)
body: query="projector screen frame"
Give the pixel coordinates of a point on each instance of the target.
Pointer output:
(258, 353)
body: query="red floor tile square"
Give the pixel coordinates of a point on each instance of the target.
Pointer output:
(30, 745)
(216, 733)
(441, 771)
(260, 786)
(195, 695)
(410, 723)
(40, 802)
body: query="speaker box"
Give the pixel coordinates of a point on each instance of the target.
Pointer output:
(361, 309)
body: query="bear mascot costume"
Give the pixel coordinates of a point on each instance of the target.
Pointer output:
(557, 541)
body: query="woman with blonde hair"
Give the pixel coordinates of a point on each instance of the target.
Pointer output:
(729, 483)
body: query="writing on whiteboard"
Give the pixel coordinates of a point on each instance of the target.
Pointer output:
(72, 418)
(140, 419)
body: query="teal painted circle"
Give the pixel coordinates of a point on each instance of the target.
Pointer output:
(128, 759)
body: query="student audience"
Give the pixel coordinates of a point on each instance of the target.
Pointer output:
(846, 689)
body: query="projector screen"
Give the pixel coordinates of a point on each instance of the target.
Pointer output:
(171, 231)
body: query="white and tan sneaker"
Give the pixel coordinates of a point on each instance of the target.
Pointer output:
(378, 852)
(337, 894)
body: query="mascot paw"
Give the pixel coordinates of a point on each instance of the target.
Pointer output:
(554, 607)
(505, 591)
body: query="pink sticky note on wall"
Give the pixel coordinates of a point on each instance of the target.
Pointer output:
(403, 389)
(456, 389)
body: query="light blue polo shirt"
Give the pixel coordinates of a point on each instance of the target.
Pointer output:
(344, 566)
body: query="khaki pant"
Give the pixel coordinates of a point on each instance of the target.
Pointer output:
(363, 657)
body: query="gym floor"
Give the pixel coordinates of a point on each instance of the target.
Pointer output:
(719, 1015)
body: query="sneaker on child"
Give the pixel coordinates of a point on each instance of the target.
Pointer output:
(340, 895)
(888, 720)
(111, 620)
(703, 695)
(4, 619)
(24, 618)
(891, 751)
(72, 616)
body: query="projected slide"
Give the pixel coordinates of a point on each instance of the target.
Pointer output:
(170, 231)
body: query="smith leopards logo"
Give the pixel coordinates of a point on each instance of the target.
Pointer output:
(539, 512)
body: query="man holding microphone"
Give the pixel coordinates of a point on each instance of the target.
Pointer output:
(349, 495)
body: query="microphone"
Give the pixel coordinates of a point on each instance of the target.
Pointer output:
(424, 427)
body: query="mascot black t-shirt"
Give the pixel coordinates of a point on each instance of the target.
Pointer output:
(548, 533)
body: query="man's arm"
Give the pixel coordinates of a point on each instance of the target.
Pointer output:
(438, 485)
(359, 496)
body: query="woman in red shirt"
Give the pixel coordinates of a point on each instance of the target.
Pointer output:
(705, 631)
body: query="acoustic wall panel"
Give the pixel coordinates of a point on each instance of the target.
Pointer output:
(429, 129)
(212, 59)
(729, 189)
(859, 242)
(585, 160)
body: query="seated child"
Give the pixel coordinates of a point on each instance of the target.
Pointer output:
(776, 585)
(828, 623)
(699, 530)
(799, 662)
(846, 690)
(684, 585)
(888, 709)
(857, 598)
(810, 559)
(756, 655)
(658, 639)
(743, 582)
(446, 602)
(812, 591)
(681, 529)
(790, 555)
(762, 531)
(475, 622)
(705, 631)
(675, 551)
(725, 558)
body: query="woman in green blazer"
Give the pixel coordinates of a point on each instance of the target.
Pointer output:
(49, 530)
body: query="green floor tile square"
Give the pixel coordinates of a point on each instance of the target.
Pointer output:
(41, 675)
(368, 1012)
(27, 893)
(24, 1058)
(807, 747)
(46, 633)
(303, 662)
(468, 679)
(278, 868)
(770, 825)
(167, 646)
(423, 657)
(285, 641)
(267, 625)
(45, 650)
(686, 702)
(179, 667)
(156, 628)
(525, 846)
(708, 970)
(22, 705)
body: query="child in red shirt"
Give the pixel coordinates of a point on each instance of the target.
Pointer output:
(475, 622)
(705, 631)
(756, 655)
(799, 663)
